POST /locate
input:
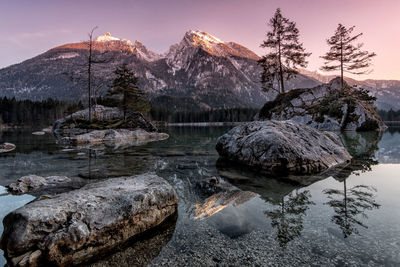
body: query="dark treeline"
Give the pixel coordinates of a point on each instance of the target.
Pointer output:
(29, 113)
(390, 115)
(212, 115)
(43, 113)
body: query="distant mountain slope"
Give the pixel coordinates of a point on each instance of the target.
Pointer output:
(201, 70)
(387, 92)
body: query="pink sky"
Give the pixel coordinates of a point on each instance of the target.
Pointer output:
(29, 28)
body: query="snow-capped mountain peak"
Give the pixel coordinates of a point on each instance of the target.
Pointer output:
(202, 36)
(106, 38)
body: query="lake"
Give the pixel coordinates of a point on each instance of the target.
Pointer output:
(347, 216)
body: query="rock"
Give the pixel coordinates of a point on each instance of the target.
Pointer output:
(39, 133)
(48, 129)
(108, 117)
(326, 107)
(31, 183)
(117, 137)
(74, 227)
(7, 147)
(282, 147)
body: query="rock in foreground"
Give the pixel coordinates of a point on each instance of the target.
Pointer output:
(31, 183)
(7, 147)
(71, 228)
(113, 137)
(282, 147)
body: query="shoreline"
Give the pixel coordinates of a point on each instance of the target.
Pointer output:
(199, 124)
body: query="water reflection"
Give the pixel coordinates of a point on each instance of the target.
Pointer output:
(350, 205)
(288, 217)
(141, 249)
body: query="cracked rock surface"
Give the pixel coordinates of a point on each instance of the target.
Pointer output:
(73, 227)
(282, 147)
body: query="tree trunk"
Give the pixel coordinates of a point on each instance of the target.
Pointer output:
(124, 104)
(89, 79)
(280, 68)
(341, 64)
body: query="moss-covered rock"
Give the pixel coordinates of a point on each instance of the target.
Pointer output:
(326, 107)
(103, 118)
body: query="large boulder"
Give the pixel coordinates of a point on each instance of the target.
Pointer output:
(282, 147)
(7, 147)
(74, 227)
(103, 117)
(114, 137)
(326, 107)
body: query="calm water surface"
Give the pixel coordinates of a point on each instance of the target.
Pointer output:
(344, 217)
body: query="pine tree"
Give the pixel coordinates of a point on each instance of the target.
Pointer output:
(344, 55)
(285, 54)
(125, 85)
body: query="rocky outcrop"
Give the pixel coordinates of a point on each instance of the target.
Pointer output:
(117, 137)
(326, 107)
(282, 147)
(74, 227)
(7, 147)
(31, 183)
(103, 118)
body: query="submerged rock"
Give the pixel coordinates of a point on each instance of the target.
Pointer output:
(141, 250)
(74, 227)
(31, 183)
(282, 147)
(114, 137)
(7, 147)
(326, 107)
(39, 133)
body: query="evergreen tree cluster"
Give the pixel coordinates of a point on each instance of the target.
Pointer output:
(286, 53)
(125, 86)
(212, 115)
(30, 113)
(390, 115)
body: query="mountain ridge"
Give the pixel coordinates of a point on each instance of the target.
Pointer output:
(201, 69)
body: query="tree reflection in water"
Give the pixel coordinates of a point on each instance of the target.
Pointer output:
(288, 218)
(349, 205)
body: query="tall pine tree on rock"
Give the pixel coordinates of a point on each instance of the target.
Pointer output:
(285, 53)
(125, 85)
(346, 56)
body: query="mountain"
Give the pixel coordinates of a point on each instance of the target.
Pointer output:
(387, 92)
(199, 72)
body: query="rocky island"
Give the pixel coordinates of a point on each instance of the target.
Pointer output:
(326, 107)
(108, 127)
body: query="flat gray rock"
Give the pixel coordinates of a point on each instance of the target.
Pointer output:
(115, 137)
(72, 228)
(30, 183)
(282, 147)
